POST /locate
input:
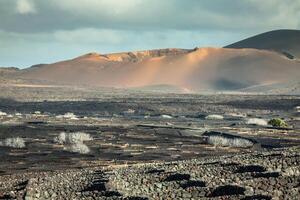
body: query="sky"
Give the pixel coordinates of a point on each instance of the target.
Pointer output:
(47, 31)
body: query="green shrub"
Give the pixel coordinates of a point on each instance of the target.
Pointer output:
(277, 123)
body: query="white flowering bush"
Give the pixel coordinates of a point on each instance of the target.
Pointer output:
(16, 142)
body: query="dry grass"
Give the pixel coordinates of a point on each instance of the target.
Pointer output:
(214, 117)
(229, 142)
(166, 117)
(16, 142)
(72, 138)
(73, 142)
(68, 115)
(78, 148)
(3, 113)
(257, 121)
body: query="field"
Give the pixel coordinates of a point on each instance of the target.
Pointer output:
(148, 132)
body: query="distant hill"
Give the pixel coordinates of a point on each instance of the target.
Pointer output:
(38, 65)
(162, 88)
(283, 41)
(194, 70)
(262, 64)
(8, 70)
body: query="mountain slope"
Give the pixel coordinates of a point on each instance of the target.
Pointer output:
(195, 70)
(284, 41)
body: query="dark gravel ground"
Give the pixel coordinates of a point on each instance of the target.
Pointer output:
(180, 164)
(267, 175)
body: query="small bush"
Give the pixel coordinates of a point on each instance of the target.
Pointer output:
(16, 142)
(78, 148)
(3, 113)
(61, 138)
(214, 117)
(78, 137)
(257, 121)
(74, 141)
(72, 138)
(277, 123)
(166, 116)
(229, 142)
(67, 115)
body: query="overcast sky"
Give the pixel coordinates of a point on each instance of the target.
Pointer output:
(46, 31)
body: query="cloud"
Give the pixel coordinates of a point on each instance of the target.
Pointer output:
(251, 15)
(90, 35)
(26, 49)
(25, 7)
(58, 29)
(114, 7)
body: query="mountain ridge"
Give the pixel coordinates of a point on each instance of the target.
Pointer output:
(285, 41)
(197, 69)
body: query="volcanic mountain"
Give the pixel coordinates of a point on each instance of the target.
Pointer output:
(283, 41)
(199, 69)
